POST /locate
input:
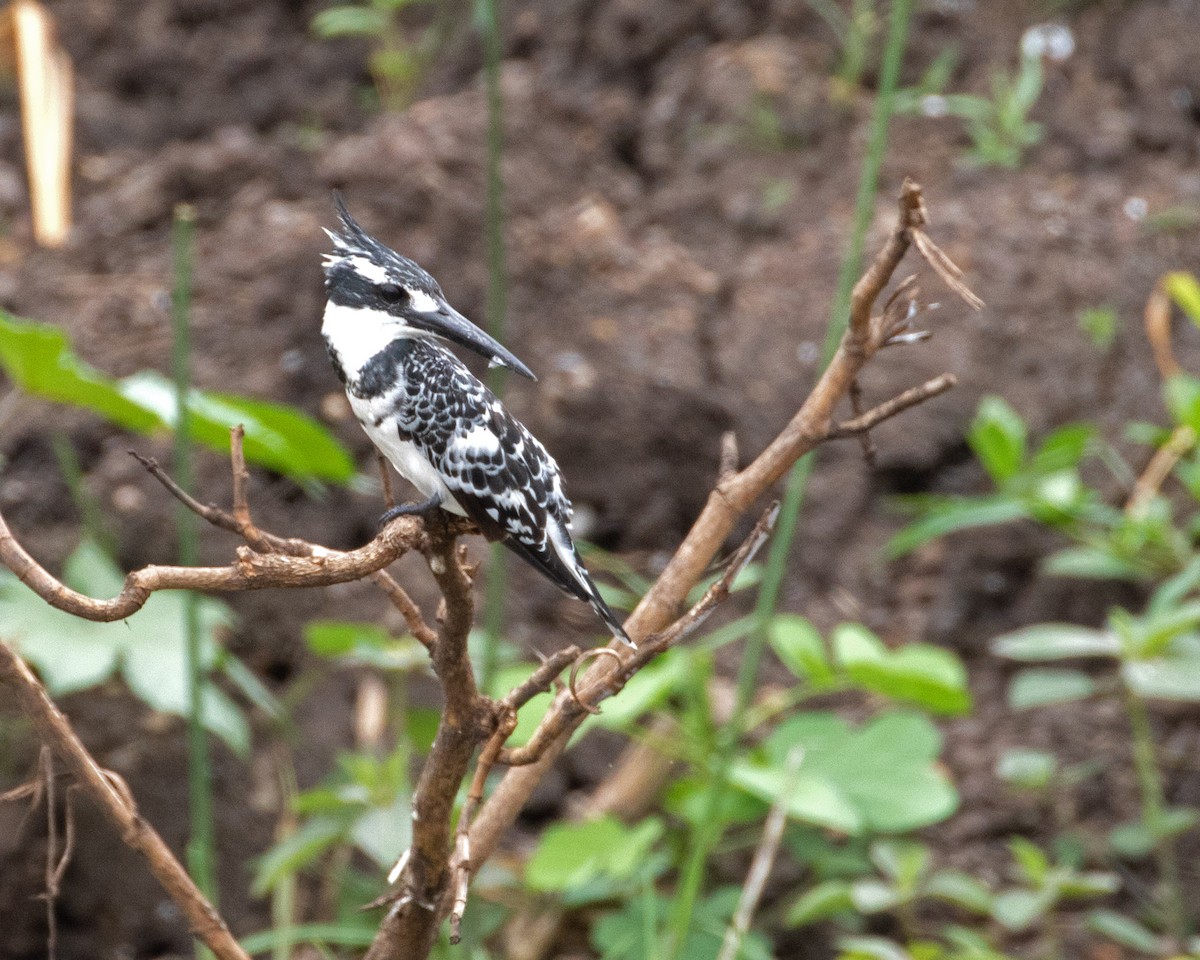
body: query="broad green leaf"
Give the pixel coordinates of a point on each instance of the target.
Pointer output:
(825, 900)
(943, 515)
(39, 359)
(881, 776)
(647, 689)
(810, 798)
(929, 676)
(383, 833)
(296, 851)
(1184, 289)
(1056, 641)
(1038, 687)
(801, 649)
(1027, 769)
(1125, 931)
(998, 437)
(277, 437)
(148, 650)
(1168, 678)
(572, 854)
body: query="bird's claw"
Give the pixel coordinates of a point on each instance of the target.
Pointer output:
(421, 509)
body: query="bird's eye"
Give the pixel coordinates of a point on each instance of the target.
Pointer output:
(392, 292)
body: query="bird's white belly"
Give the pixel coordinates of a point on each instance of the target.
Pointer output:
(404, 455)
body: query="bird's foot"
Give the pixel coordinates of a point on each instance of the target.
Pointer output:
(421, 509)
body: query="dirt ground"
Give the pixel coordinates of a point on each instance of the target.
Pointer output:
(672, 268)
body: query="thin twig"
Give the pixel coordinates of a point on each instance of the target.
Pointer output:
(462, 841)
(576, 703)
(764, 859)
(1182, 439)
(54, 730)
(864, 437)
(890, 408)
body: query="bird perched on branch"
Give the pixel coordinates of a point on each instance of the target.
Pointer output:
(386, 323)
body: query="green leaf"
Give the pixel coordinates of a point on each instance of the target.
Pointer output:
(1090, 563)
(1063, 449)
(1099, 323)
(39, 359)
(1137, 839)
(943, 515)
(1167, 678)
(277, 437)
(1184, 289)
(349, 21)
(801, 649)
(925, 675)
(1017, 909)
(882, 776)
(870, 948)
(1038, 687)
(1092, 883)
(1027, 769)
(384, 832)
(1056, 641)
(364, 643)
(621, 935)
(1031, 859)
(1124, 931)
(572, 854)
(148, 650)
(647, 689)
(1182, 395)
(296, 851)
(827, 899)
(998, 437)
(872, 896)
(962, 890)
(531, 714)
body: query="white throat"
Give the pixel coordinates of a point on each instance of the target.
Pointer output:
(357, 334)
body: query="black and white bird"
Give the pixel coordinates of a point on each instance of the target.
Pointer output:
(386, 323)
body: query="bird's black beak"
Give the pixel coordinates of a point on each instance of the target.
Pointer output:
(449, 323)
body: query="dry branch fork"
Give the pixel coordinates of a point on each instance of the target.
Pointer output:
(433, 878)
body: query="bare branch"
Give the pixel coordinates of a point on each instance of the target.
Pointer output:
(731, 498)
(240, 523)
(55, 731)
(890, 408)
(251, 571)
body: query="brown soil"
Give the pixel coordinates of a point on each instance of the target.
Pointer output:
(672, 268)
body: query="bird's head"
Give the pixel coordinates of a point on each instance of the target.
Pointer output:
(377, 295)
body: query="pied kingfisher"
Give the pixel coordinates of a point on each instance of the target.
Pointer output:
(385, 322)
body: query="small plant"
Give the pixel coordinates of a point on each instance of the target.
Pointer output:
(999, 124)
(854, 30)
(396, 61)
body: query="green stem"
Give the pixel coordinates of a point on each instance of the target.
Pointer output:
(1153, 807)
(712, 823)
(497, 306)
(202, 844)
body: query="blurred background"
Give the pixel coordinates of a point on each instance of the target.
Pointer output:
(679, 191)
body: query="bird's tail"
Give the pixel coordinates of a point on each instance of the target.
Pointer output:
(603, 611)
